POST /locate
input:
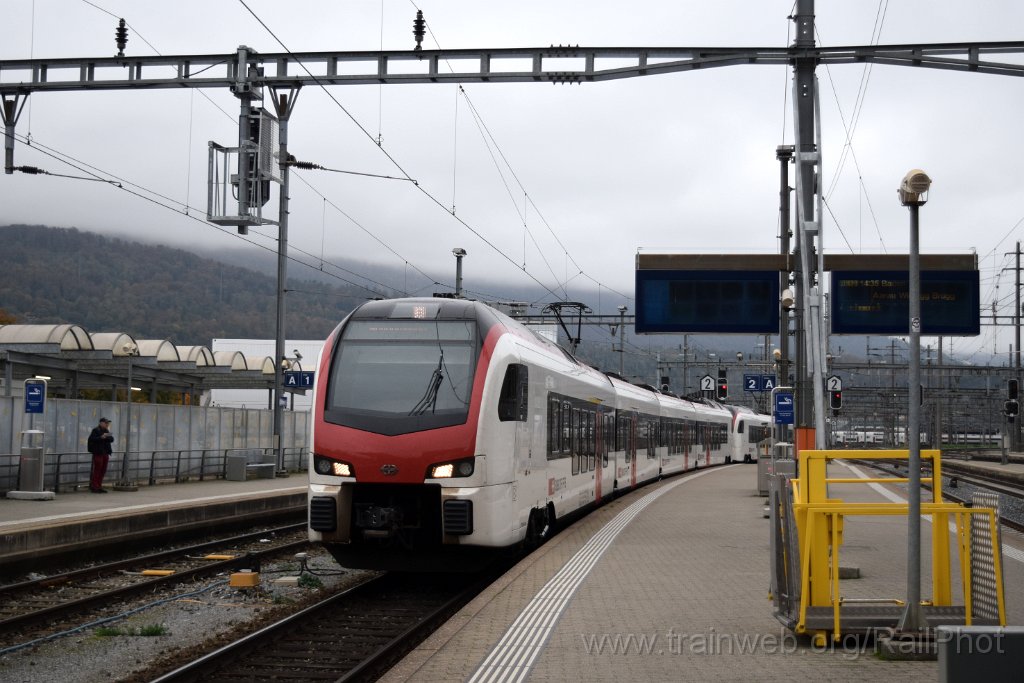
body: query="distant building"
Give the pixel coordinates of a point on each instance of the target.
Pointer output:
(256, 398)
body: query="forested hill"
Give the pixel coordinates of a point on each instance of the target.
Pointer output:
(58, 275)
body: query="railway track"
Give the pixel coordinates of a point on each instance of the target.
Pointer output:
(30, 607)
(957, 476)
(352, 636)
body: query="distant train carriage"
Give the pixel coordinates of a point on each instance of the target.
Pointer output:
(444, 430)
(750, 435)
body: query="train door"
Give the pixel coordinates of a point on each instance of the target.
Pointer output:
(528, 459)
(709, 437)
(686, 445)
(633, 433)
(600, 453)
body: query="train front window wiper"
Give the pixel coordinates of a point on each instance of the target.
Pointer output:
(429, 399)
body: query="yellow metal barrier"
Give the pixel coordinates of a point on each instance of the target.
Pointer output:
(819, 525)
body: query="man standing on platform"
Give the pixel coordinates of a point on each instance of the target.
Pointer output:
(99, 445)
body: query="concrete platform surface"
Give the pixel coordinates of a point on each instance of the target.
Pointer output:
(34, 529)
(675, 588)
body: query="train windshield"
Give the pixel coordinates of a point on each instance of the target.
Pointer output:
(400, 376)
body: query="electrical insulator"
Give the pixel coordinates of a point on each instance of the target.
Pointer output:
(121, 36)
(419, 29)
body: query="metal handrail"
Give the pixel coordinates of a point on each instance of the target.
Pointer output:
(76, 465)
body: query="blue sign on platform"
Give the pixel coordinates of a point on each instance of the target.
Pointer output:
(299, 380)
(785, 412)
(758, 382)
(35, 396)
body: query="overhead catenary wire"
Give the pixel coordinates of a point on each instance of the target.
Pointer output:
(187, 207)
(429, 195)
(141, 193)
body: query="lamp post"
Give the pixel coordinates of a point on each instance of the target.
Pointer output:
(913, 194)
(622, 338)
(129, 349)
(459, 254)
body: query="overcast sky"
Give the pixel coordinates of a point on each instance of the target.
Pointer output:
(681, 162)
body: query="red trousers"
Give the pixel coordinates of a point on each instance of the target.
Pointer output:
(99, 469)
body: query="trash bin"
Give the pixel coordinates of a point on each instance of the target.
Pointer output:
(31, 468)
(31, 465)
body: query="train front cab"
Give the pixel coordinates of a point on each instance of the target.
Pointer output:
(399, 488)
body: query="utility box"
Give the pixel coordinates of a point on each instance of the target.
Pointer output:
(980, 653)
(781, 462)
(31, 468)
(234, 468)
(237, 467)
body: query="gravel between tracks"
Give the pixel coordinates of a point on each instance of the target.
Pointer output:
(190, 626)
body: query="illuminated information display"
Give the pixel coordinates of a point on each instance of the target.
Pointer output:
(722, 301)
(878, 302)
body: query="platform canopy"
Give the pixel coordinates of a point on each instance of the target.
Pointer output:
(71, 358)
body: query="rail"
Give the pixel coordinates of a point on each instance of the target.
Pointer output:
(807, 535)
(69, 471)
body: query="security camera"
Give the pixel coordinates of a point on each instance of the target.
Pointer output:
(459, 251)
(788, 298)
(298, 356)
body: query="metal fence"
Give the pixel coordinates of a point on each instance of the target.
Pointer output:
(168, 443)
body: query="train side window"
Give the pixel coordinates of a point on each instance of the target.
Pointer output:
(620, 432)
(553, 431)
(609, 435)
(627, 426)
(512, 400)
(566, 421)
(576, 445)
(591, 441)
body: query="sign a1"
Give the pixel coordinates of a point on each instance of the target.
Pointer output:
(299, 380)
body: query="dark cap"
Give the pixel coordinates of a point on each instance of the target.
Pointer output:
(103, 419)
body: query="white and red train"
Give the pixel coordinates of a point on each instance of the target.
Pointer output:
(444, 430)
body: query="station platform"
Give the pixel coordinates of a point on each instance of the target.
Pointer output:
(1013, 470)
(670, 583)
(31, 530)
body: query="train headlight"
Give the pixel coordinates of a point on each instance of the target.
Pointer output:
(452, 469)
(329, 466)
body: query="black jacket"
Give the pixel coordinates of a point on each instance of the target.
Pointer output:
(97, 444)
